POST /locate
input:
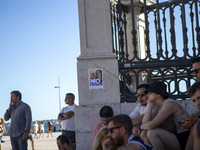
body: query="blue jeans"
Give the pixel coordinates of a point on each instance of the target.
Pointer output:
(17, 143)
(69, 134)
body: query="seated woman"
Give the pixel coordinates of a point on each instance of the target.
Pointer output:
(100, 137)
(162, 139)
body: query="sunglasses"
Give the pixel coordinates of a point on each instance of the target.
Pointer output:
(111, 129)
(149, 92)
(141, 94)
(196, 70)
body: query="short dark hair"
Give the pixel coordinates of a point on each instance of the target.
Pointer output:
(195, 59)
(194, 88)
(122, 120)
(71, 95)
(145, 85)
(17, 94)
(63, 139)
(106, 112)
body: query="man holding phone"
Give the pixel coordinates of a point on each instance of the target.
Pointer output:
(21, 118)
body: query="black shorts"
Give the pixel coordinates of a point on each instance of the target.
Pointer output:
(182, 138)
(30, 136)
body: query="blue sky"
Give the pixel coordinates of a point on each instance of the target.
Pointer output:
(39, 42)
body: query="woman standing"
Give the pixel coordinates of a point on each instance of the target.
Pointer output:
(49, 129)
(41, 129)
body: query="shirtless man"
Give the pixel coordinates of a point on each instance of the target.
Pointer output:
(35, 128)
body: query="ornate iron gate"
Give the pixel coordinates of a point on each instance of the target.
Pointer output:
(171, 39)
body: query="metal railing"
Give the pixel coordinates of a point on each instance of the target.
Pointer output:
(171, 39)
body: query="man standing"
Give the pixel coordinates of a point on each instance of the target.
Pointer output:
(66, 116)
(21, 118)
(42, 129)
(120, 133)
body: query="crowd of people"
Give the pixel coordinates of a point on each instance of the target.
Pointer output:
(157, 123)
(21, 119)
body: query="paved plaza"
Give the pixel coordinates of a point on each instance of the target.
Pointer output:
(40, 143)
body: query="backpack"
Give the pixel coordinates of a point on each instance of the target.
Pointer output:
(138, 139)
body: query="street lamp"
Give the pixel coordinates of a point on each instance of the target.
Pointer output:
(58, 92)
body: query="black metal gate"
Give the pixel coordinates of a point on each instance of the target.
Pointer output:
(171, 38)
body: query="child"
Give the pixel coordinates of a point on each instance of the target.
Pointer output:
(2, 130)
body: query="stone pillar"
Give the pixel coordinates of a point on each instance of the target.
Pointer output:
(96, 54)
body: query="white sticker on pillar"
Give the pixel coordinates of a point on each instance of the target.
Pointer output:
(95, 78)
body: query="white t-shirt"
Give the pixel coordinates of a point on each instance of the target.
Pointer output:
(68, 124)
(139, 110)
(42, 127)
